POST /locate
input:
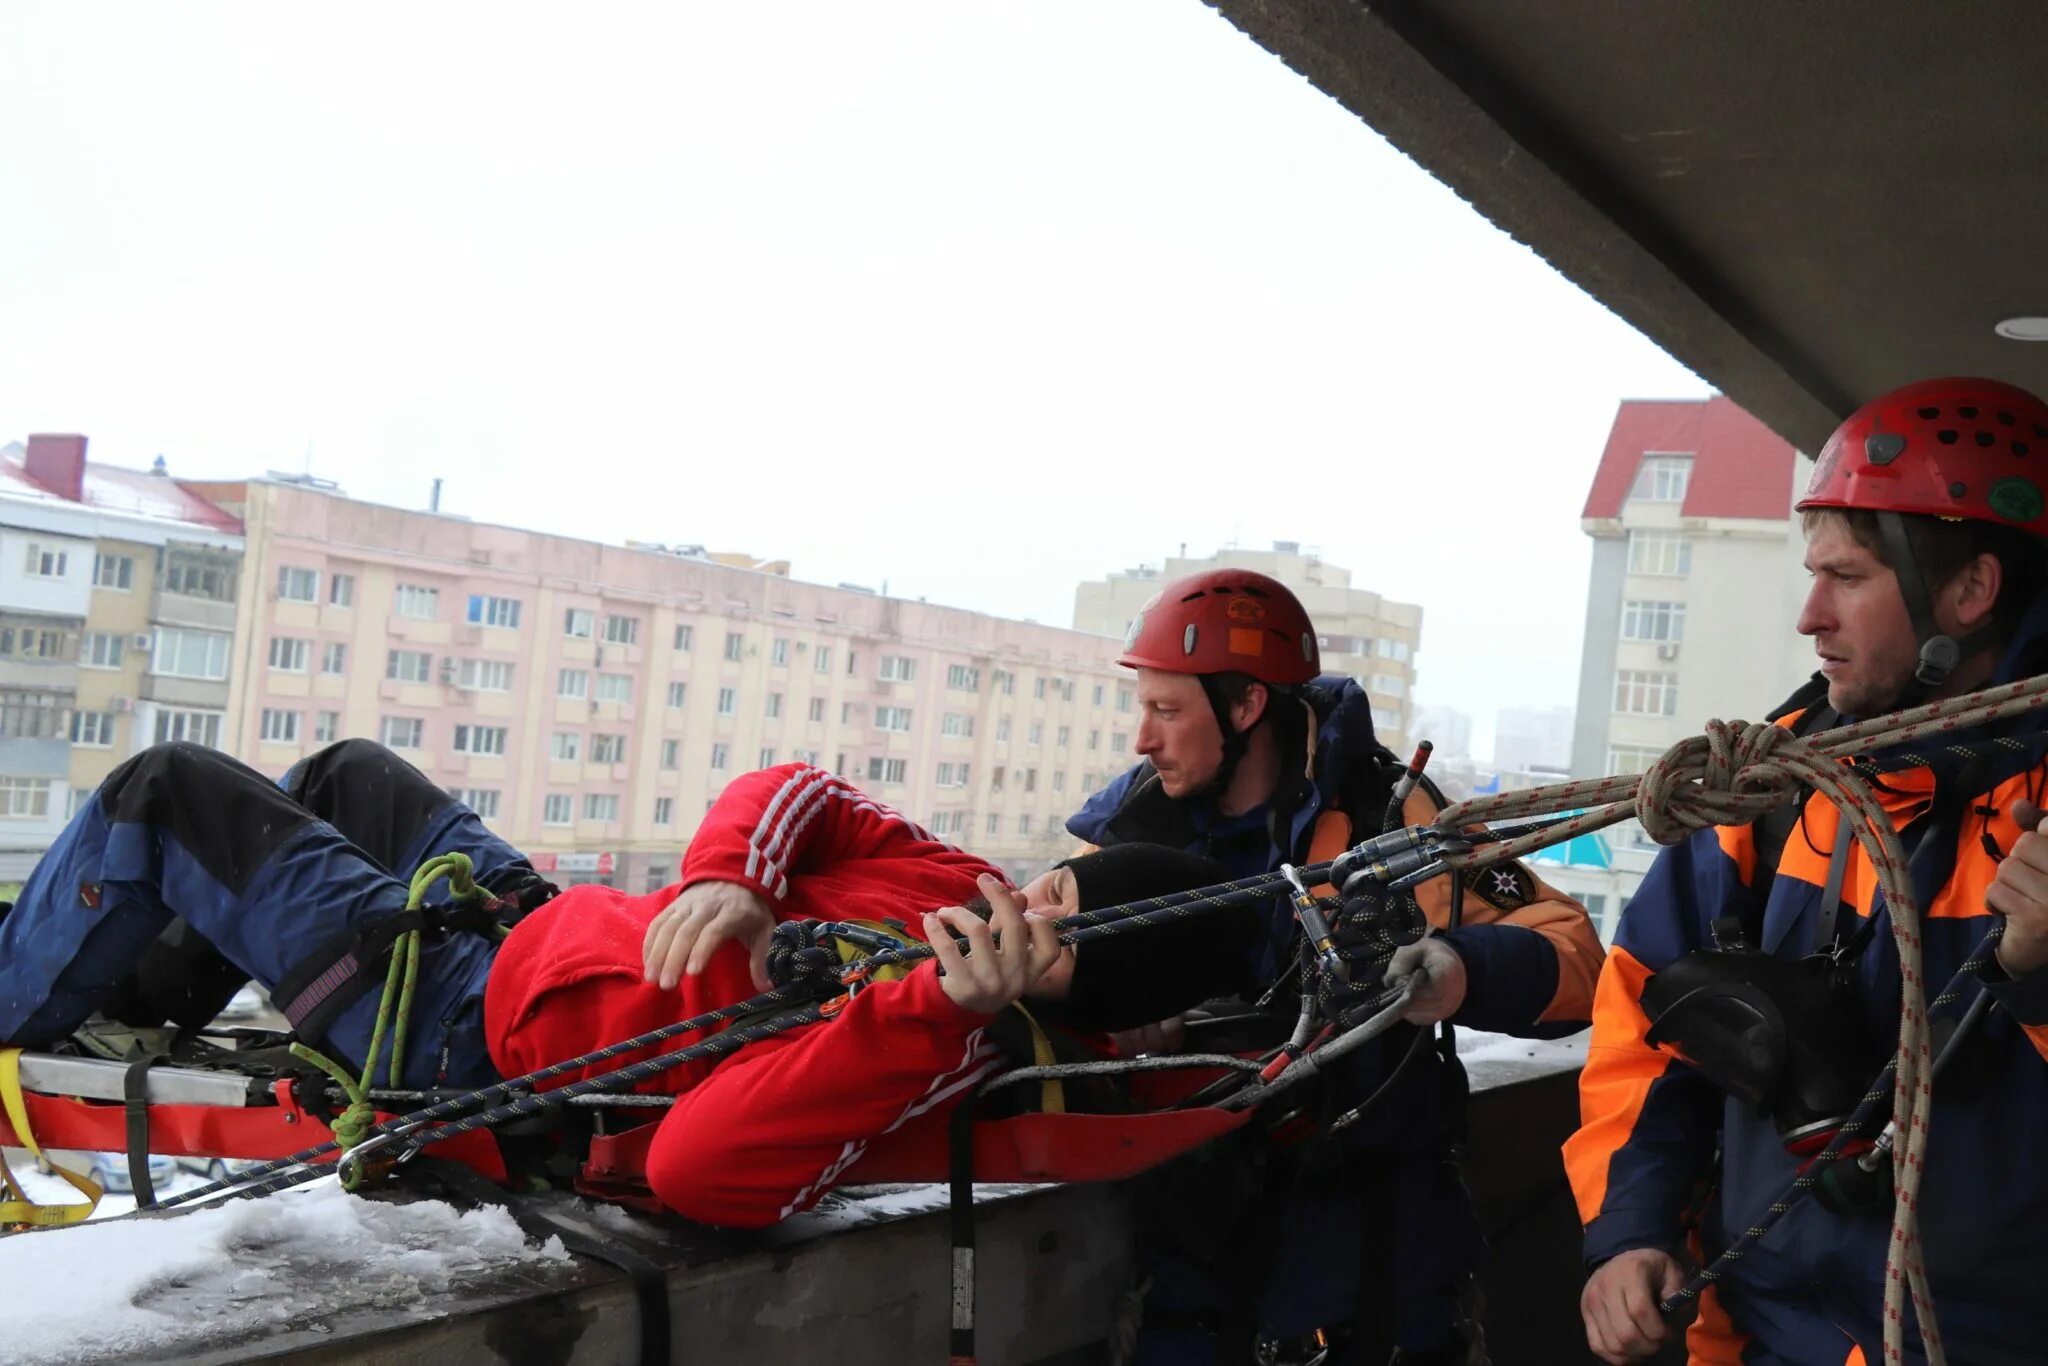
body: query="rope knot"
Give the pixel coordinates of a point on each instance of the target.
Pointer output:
(802, 951)
(1729, 775)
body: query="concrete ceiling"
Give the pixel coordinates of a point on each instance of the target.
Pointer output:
(1807, 204)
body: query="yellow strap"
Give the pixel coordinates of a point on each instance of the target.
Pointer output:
(20, 1209)
(1052, 1092)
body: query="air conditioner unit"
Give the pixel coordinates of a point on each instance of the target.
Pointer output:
(1668, 650)
(145, 640)
(447, 669)
(122, 704)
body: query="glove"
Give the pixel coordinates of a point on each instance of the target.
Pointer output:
(1439, 980)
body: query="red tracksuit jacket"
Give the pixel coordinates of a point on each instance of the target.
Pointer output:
(762, 1134)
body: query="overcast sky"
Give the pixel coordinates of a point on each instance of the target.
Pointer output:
(978, 299)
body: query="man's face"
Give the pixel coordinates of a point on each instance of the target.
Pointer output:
(1857, 618)
(1177, 731)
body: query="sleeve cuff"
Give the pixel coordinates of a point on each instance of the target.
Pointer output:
(2023, 998)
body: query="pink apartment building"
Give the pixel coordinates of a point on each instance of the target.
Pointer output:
(591, 700)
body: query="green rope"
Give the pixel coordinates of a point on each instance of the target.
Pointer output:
(356, 1120)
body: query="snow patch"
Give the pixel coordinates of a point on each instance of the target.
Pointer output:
(222, 1272)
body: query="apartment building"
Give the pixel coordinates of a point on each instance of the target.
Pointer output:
(1371, 638)
(1694, 590)
(116, 613)
(590, 701)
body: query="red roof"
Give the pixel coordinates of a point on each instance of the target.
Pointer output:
(1740, 467)
(109, 488)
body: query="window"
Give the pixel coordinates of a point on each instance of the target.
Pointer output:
(482, 800)
(1659, 621)
(46, 563)
(333, 658)
(1385, 719)
(1024, 824)
(607, 749)
(1065, 735)
(403, 732)
(31, 643)
(898, 669)
(1596, 910)
(719, 755)
(95, 729)
(1037, 733)
(953, 775)
(1004, 682)
(326, 726)
(280, 727)
(735, 645)
(417, 603)
(502, 613)
(1662, 553)
(196, 578)
(567, 746)
(1095, 698)
(685, 636)
(579, 623)
(24, 798)
(1038, 689)
(1392, 685)
(958, 723)
(1631, 758)
(341, 590)
(621, 630)
(1059, 782)
(101, 649)
(1662, 479)
(572, 683)
(961, 677)
(995, 823)
(893, 719)
(297, 585)
(615, 687)
(817, 709)
(664, 810)
(1031, 780)
(996, 781)
(845, 712)
(887, 770)
(487, 675)
(1398, 650)
(290, 655)
(480, 739)
(774, 711)
(600, 806)
(1641, 693)
(1066, 687)
(558, 809)
(197, 727)
(779, 653)
(1124, 698)
(728, 701)
(671, 753)
(821, 660)
(1095, 739)
(1119, 742)
(409, 666)
(190, 654)
(1087, 782)
(767, 757)
(676, 692)
(1002, 730)
(113, 571)
(852, 662)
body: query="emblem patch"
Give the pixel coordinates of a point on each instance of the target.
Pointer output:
(2016, 500)
(1505, 886)
(1245, 609)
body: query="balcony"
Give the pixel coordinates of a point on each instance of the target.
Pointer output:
(211, 693)
(176, 609)
(40, 675)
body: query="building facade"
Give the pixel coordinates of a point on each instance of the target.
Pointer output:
(116, 616)
(1373, 639)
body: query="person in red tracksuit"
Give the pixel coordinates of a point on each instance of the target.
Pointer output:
(765, 1133)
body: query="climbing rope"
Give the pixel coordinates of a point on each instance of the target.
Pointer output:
(1732, 774)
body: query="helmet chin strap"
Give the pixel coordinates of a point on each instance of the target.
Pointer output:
(1940, 652)
(1235, 742)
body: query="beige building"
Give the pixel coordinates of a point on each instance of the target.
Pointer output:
(1362, 634)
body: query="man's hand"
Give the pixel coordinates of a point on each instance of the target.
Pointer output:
(1623, 1322)
(706, 917)
(990, 975)
(1167, 1036)
(1440, 990)
(2019, 892)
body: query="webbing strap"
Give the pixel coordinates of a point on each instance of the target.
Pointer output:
(18, 1208)
(135, 1096)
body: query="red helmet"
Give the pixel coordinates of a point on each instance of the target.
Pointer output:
(1225, 621)
(1958, 448)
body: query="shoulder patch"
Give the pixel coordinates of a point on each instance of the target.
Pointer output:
(1504, 886)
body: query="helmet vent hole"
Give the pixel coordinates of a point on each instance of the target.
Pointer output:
(1192, 596)
(1253, 590)
(2040, 431)
(1985, 438)
(1946, 436)
(1930, 413)
(1957, 490)
(1970, 413)
(2005, 418)
(2019, 448)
